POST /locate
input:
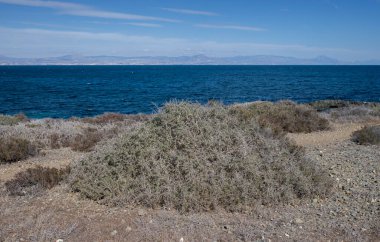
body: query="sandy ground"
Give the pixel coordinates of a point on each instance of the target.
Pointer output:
(339, 132)
(351, 213)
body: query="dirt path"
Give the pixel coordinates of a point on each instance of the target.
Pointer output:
(339, 133)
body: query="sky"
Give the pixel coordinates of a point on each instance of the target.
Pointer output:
(343, 29)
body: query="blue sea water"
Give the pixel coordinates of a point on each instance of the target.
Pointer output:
(65, 91)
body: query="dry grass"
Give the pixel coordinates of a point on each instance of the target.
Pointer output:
(197, 158)
(284, 116)
(12, 120)
(15, 149)
(367, 136)
(34, 180)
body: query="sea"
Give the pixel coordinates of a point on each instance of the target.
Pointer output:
(68, 91)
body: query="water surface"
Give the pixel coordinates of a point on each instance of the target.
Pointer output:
(65, 91)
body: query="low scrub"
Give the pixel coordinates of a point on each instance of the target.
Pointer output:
(35, 180)
(105, 118)
(367, 136)
(198, 158)
(284, 116)
(108, 118)
(356, 113)
(15, 149)
(12, 120)
(347, 111)
(323, 105)
(86, 141)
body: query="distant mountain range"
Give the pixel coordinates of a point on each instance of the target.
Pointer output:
(180, 60)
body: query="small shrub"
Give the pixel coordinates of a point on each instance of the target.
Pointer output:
(12, 120)
(367, 136)
(16, 149)
(35, 180)
(87, 140)
(198, 158)
(284, 116)
(376, 109)
(55, 141)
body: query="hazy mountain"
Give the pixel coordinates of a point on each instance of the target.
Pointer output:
(180, 60)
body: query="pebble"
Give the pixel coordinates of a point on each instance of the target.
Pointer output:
(298, 221)
(113, 233)
(141, 212)
(128, 229)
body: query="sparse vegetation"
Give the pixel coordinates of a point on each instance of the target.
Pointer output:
(34, 180)
(284, 116)
(58, 133)
(12, 120)
(367, 135)
(347, 111)
(15, 149)
(354, 114)
(197, 158)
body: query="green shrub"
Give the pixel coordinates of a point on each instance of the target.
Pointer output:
(15, 149)
(367, 136)
(197, 158)
(284, 116)
(34, 180)
(12, 120)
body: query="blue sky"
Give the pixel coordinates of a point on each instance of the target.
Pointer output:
(343, 29)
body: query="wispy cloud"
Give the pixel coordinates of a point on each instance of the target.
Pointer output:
(190, 11)
(148, 25)
(41, 43)
(332, 4)
(233, 27)
(84, 10)
(114, 15)
(140, 24)
(45, 4)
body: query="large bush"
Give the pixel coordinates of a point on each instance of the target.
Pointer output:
(284, 116)
(196, 158)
